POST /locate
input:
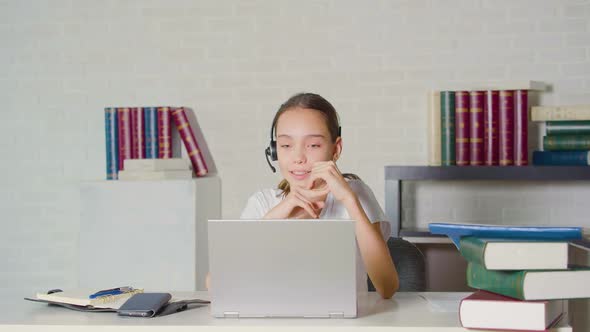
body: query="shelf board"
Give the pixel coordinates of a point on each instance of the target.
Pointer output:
(522, 173)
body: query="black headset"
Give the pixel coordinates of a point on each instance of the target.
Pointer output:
(271, 150)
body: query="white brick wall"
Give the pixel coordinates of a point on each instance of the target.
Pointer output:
(234, 62)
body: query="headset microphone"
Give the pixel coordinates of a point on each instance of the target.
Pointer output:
(267, 154)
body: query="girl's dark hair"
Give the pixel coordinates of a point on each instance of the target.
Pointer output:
(315, 102)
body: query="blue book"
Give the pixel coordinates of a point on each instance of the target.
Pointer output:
(456, 231)
(561, 158)
(150, 118)
(112, 142)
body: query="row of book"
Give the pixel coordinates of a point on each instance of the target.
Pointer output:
(146, 133)
(479, 127)
(522, 283)
(566, 139)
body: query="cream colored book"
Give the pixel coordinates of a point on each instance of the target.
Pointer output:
(497, 85)
(126, 175)
(157, 164)
(80, 297)
(434, 138)
(560, 113)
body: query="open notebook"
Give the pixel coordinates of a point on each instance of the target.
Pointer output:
(79, 299)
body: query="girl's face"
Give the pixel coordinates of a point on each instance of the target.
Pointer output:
(302, 139)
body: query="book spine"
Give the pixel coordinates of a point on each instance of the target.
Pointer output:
(561, 158)
(509, 283)
(560, 113)
(567, 127)
(188, 138)
(566, 142)
(137, 133)
(491, 139)
(434, 129)
(506, 128)
(472, 249)
(125, 138)
(521, 131)
(164, 133)
(150, 115)
(462, 131)
(112, 147)
(447, 129)
(476, 128)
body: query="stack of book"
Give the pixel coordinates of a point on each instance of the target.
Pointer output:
(522, 275)
(483, 126)
(566, 139)
(156, 169)
(146, 133)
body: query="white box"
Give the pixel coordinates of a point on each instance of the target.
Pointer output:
(148, 234)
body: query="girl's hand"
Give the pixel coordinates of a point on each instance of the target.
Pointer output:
(298, 206)
(326, 175)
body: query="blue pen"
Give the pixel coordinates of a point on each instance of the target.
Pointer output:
(112, 291)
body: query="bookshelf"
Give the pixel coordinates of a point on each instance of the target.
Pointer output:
(396, 175)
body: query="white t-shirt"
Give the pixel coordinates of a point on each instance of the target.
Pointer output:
(263, 201)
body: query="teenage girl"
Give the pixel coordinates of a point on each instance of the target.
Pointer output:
(305, 139)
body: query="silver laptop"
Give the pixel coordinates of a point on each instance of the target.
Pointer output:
(282, 268)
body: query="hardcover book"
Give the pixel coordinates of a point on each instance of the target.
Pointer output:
(188, 138)
(112, 145)
(164, 133)
(172, 164)
(137, 132)
(566, 142)
(491, 124)
(447, 112)
(125, 137)
(567, 127)
(560, 113)
(561, 158)
(462, 131)
(486, 310)
(506, 127)
(126, 175)
(521, 122)
(531, 284)
(434, 129)
(151, 132)
(456, 231)
(476, 128)
(511, 254)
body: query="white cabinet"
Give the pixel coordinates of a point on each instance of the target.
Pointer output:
(148, 234)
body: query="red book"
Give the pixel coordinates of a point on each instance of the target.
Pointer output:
(491, 140)
(486, 310)
(506, 128)
(462, 133)
(476, 128)
(125, 137)
(137, 133)
(164, 133)
(521, 121)
(188, 138)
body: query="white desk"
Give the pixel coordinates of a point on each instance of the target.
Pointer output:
(405, 312)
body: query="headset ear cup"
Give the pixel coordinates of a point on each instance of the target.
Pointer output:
(273, 150)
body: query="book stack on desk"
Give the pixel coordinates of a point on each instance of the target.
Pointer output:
(156, 169)
(522, 283)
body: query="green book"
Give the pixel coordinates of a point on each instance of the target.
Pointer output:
(566, 142)
(532, 285)
(567, 127)
(447, 129)
(515, 254)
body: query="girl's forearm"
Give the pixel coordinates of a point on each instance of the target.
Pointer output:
(374, 251)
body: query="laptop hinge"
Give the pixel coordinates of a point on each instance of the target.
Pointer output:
(336, 314)
(231, 314)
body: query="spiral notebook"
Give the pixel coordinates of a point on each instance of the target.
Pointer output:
(80, 298)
